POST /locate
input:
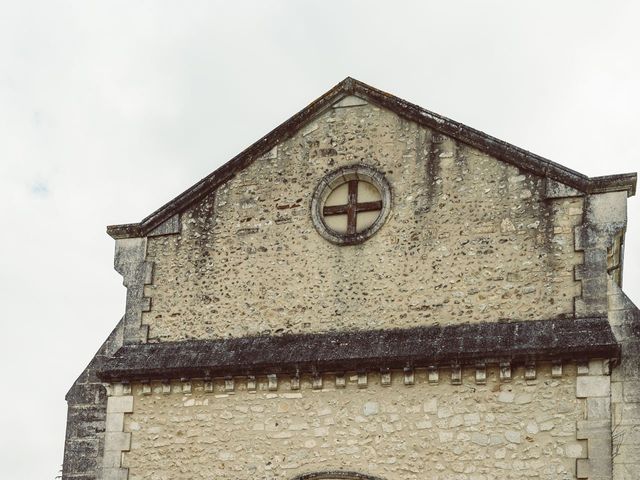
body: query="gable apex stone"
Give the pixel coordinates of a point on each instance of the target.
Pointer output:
(350, 101)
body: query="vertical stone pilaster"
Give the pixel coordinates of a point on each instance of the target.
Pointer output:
(595, 388)
(130, 262)
(116, 440)
(605, 217)
(624, 317)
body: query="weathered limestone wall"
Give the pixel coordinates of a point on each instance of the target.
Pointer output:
(625, 386)
(469, 239)
(86, 415)
(467, 432)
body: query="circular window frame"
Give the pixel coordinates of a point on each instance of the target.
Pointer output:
(333, 180)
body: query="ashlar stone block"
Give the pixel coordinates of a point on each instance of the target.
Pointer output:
(120, 441)
(598, 408)
(597, 386)
(120, 404)
(115, 422)
(115, 474)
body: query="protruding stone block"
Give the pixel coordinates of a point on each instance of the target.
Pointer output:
(341, 380)
(272, 382)
(582, 468)
(582, 367)
(145, 304)
(599, 408)
(112, 459)
(186, 386)
(433, 375)
(115, 473)
(481, 374)
(556, 369)
(146, 388)
(295, 382)
(252, 383)
(120, 441)
(115, 423)
(530, 371)
(229, 384)
(113, 389)
(576, 449)
(589, 386)
(166, 387)
(597, 367)
(409, 376)
(363, 380)
(456, 375)
(599, 447)
(505, 371)
(385, 377)
(316, 382)
(122, 404)
(590, 429)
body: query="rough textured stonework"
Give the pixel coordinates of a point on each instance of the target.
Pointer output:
(469, 239)
(467, 431)
(87, 401)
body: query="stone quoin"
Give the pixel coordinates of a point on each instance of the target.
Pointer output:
(370, 291)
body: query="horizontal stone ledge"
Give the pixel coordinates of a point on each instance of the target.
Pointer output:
(521, 342)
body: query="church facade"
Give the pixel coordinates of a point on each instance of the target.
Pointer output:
(370, 291)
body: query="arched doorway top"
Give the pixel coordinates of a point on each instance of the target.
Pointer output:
(335, 475)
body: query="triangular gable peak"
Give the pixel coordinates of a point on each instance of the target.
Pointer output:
(348, 93)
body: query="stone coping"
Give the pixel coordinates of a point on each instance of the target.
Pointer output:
(468, 344)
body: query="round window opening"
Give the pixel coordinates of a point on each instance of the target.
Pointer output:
(351, 204)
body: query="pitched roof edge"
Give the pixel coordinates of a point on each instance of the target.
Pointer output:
(237, 163)
(502, 150)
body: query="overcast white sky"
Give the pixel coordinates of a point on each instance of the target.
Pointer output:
(109, 109)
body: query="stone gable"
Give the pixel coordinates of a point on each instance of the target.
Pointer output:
(474, 329)
(469, 239)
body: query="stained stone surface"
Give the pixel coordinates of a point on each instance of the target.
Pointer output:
(469, 239)
(467, 344)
